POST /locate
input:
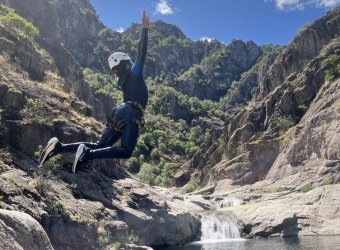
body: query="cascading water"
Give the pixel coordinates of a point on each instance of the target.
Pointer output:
(229, 202)
(219, 226)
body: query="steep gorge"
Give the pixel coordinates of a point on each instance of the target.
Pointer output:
(281, 140)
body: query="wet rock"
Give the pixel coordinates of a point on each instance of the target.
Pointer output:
(313, 213)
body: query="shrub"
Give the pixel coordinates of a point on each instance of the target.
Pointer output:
(147, 173)
(332, 66)
(283, 123)
(327, 181)
(191, 186)
(19, 26)
(133, 239)
(116, 245)
(50, 166)
(133, 164)
(104, 238)
(306, 188)
(41, 185)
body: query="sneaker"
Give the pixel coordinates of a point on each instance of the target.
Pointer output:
(80, 157)
(52, 148)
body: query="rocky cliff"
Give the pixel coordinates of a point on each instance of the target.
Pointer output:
(93, 209)
(274, 146)
(255, 136)
(285, 140)
(100, 208)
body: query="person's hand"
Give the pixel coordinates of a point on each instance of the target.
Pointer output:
(145, 20)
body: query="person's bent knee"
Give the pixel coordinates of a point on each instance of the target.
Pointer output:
(127, 154)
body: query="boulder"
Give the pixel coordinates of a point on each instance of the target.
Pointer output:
(20, 231)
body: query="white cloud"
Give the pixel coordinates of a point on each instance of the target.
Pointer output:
(205, 38)
(301, 4)
(328, 3)
(164, 8)
(120, 29)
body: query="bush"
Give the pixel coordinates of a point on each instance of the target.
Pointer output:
(19, 26)
(283, 123)
(116, 246)
(191, 186)
(133, 238)
(306, 188)
(49, 166)
(332, 65)
(147, 173)
(327, 181)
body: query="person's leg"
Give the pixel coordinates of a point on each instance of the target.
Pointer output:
(54, 146)
(129, 140)
(109, 137)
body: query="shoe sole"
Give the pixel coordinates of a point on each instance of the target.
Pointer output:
(48, 149)
(80, 150)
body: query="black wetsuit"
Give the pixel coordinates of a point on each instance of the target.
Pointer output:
(126, 115)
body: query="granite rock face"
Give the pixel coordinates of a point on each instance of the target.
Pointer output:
(286, 213)
(257, 143)
(94, 208)
(213, 76)
(20, 231)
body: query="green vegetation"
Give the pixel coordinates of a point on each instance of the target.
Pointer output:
(306, 188)
(103, 84)
(4, 9)
(104, 238)
(18, 26)
(242, 91)
(36, 110)
(41, 185)
(283, 123)
(133, 238)
(328, 180)
(171, 134)
(85, 220)
(50, 166)
(332, 65)
(191, 186)
(116, 246)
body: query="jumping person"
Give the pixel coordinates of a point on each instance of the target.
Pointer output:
(125, 119)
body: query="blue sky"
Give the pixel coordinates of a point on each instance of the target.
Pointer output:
(263, 21)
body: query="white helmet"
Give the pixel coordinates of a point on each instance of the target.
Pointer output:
(116, 57)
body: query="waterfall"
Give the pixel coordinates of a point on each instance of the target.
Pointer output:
(230, 201)
(219, 226)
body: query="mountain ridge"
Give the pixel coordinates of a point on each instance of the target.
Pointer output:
(277, 148)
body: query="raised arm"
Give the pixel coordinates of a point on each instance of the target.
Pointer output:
(137, 68)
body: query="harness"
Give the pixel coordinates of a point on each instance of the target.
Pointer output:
(118, 124)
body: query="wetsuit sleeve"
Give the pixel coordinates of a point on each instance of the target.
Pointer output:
(141, 56)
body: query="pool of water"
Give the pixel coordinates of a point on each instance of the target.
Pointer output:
(301, 243)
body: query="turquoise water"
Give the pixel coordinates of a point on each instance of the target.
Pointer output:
(302, 243)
